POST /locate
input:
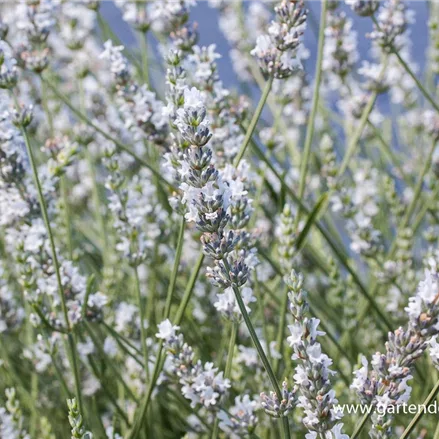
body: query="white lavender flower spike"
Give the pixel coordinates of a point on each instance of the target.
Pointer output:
(164, 164)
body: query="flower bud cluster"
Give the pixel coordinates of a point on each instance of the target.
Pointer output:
(11, 417)
(287, 236)
(62, 152)
(359, 205)
(279, 52)
(393, 19)
(36, 20)
(8, 67)
(162, 16)
(223, 108)
(241, 418)
(141, 111)
(76, 421)
(329, 165)
(385, 384)
(12, 313)
(340, 53)
(201, 383)
(27, 240)
(313, 373)
(216, 200)
(132, 211)
(272, 406)
(364, 8)
(434, 45)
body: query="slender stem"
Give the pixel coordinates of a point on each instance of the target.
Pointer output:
(43, 207)
(110, 363)
(138, 421)
(159, 362)
(142, 319)
(75, 364)
(109, 137)
(436, 433)
(261, 304)
(107, 392)
(62, 180)
(281, 331)
(420, 413)
(45, 103)
(68, 223)
(406, 219)
(228, 370)
(388, 151)
(254, 121)
(257, 344)
(314, 105)
(121, 339)
(359, 130)
(188, 291)
(359, 427)
(254, 336)
(425, 207)
(407, 68)
(338, 252)
(144, 54)
(174, 274)
(64, 388)
(233, 335)
(417, 191)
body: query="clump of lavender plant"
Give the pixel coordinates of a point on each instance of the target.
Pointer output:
(386, 384)
(313, 373)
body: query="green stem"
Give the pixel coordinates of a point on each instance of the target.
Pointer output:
(406, 219)
(142, 320)
(417, 192)
(45, 103)
(257, 344)
(339, 253)
(425, 207)
(107, 392)
(359, 130)
(110, 363)
(75, 364)
(228, 370)
(410, 72)
(42, 202)
(254, 121)
(188, 291)
(261, 304)
(159, 362)
(68, 223)
(174, 274)
(314, 105)
(420, 413)
(233, 335)
(64, 388)
(281, 331)
(121, 340)
(253, 335)
(388, 151)
(359, 427)
(144, 54)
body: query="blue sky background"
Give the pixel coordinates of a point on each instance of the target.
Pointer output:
(207, 19)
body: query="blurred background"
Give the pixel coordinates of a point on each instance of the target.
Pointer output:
(210, 32)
